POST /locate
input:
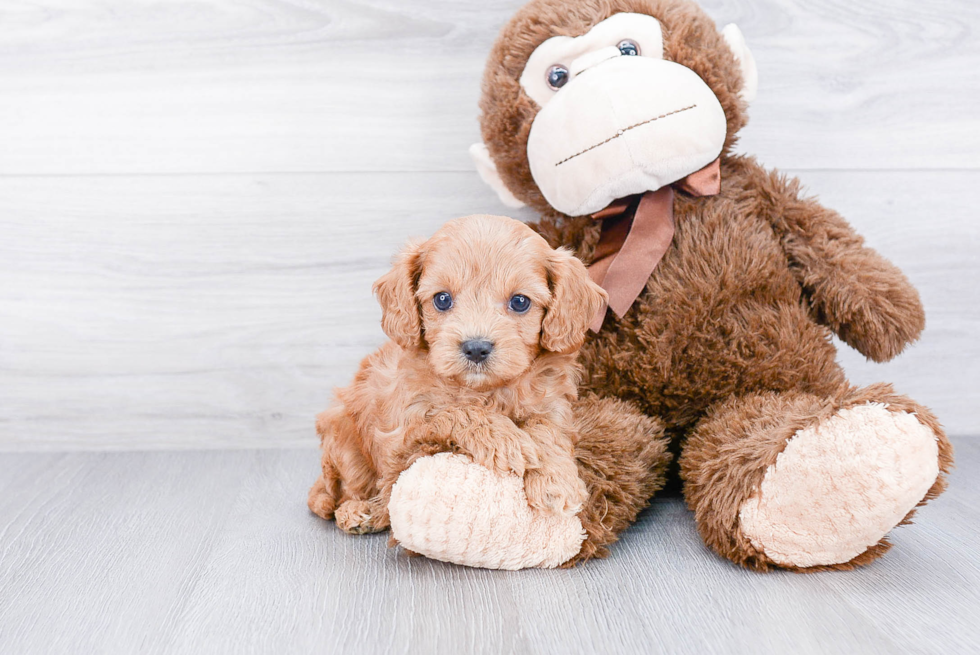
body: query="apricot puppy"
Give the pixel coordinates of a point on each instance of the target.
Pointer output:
(485, 321)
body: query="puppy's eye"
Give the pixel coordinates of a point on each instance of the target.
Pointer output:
(520, 304)
(557, 77)
(628, 47)
(442, 301)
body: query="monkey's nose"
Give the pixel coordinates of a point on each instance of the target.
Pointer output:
(476, 350)
(584, 62)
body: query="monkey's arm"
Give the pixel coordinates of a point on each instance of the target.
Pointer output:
(865, 299)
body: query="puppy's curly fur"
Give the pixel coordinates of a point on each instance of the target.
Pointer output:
(419, 393)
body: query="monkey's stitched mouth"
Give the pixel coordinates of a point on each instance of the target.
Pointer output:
(624, 131)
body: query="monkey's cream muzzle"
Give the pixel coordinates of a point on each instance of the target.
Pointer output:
(622, 126)
(618, 124)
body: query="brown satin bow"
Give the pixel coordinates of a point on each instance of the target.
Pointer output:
(636, 232)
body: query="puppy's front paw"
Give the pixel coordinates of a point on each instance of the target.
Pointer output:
(555, 492)
(356, 517)
(502, 458)
(503, 447)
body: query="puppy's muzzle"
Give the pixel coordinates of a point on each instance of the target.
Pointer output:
(476, 350)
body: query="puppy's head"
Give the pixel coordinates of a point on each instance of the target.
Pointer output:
(485, 295)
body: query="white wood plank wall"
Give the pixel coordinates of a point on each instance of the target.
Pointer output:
(195, 196)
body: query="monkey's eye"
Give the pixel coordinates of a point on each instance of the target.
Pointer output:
(628, 47)
(442, 301)
(520, 304)
(557, 76)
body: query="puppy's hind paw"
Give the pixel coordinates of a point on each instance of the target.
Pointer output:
(556, 494)
(320, 501)
(356, 517)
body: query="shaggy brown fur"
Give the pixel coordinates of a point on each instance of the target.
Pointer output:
(731, 340)
(622, 458)
(511, 411)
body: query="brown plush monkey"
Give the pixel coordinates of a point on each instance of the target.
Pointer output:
(615, 120)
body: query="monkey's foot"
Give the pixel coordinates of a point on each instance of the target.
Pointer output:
(447, 508)
(840, 486)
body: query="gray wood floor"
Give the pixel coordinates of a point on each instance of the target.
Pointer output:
(215, 552)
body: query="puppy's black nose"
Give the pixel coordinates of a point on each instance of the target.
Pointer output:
(476, 350)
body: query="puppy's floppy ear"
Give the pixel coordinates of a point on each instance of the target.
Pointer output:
(575, 300)
(400, 316)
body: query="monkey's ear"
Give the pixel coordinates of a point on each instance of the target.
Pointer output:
(488, 171)
(400, 317)
(750, 74)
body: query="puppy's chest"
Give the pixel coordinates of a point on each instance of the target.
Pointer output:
(546, 389)
(504, 402)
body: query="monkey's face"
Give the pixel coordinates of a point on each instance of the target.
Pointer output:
(610, 115)
(616, 119)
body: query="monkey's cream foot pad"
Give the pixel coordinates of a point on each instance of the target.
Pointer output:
(840, 486)
(447, 508)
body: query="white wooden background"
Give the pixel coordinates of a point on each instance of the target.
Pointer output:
(195, 196)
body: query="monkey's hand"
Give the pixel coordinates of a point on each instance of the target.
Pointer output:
(865, 299)
(869, 304)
